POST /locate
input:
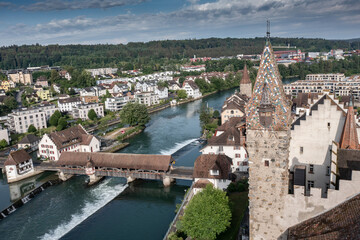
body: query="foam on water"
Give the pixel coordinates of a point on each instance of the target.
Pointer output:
(177, 147)
(102, 194)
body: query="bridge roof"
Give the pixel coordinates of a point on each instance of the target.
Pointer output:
(117, 160)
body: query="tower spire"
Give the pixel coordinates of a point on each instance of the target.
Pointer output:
(268, 30)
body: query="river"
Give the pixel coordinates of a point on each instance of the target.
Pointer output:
(112, 209)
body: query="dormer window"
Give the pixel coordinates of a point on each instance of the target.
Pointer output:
(214, 172)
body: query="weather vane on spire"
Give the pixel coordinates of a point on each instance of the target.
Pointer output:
(268, 29)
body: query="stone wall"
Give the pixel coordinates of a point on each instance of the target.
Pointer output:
(298, 208)
(268, 180)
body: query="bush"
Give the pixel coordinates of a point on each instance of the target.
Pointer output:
(3, 143)
(92, 115)
(54, 119)
(32, 129)
(62, 124)
(240, 186)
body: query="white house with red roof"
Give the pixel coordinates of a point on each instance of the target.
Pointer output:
(191, 89)
(74, 139)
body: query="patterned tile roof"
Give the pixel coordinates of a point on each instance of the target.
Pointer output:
(268, 78)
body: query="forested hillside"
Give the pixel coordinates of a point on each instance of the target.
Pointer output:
(153, 53)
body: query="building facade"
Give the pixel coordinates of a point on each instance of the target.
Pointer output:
(21, 77)
(116, 104)
(67, 104)
(18, 166)
(82, 110)
(147, 98)
(74, 139)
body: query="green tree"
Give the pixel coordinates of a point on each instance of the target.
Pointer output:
(207, 215)
(61, 124)
(10, 102)
(181, 94)
(3, 143)
(205, 115)
(216, 114)
(181, 80)
(92, 114)
(55, 77)
(32, 129)
(54, 119)
(134, 113)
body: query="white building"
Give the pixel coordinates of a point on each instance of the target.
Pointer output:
(325, 77)
(93, 91)
(229, 139)
(116, 104)
(4, 134)
(18, 166)
(67, 104)
(191, 89)
(82, 110)
(147, 98)
(20, 120)
(215, 169)
(30, 141)
(74, 139)
(174, 86)
(101, 71)
(162, 92)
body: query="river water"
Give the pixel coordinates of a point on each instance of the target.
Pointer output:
(113, 209)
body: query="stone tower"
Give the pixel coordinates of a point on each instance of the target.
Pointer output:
(245, 83)
(268, 121)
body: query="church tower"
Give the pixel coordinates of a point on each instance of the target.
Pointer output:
(268, 121)
(245, 83)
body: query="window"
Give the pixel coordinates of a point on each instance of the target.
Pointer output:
(327, 171)
(214, 172)
(245, 163)
(328, 124)
(266, 163)
(311, 168)
(301, 150)
(236, 147)
(237, 155)
(310, 184)
(221, 148)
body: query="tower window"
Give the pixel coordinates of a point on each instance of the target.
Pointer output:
(310, 184)
(301, 150)
(266, 163)
(311, 168)
(327, 171)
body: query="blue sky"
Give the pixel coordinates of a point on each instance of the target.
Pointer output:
(122, 21)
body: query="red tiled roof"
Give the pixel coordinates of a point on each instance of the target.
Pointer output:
(17, 157)
(245, 77)
(349, 138)
(206, 162)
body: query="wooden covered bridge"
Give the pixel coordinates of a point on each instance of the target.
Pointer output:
(130, 166)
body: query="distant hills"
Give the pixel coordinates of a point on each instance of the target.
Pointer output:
(154, 52)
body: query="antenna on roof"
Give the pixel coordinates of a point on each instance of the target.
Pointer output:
(268, 30)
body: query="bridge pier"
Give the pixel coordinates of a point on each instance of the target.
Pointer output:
(167, 181)
(64, 177)
(130, 179)
(94, 179)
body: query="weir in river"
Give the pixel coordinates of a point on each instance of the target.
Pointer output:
(113, 209)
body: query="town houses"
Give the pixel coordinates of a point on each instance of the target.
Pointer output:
(73, 139)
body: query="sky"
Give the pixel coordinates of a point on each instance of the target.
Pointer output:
(122, 21)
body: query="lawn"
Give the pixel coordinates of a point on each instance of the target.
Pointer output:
(238, 203)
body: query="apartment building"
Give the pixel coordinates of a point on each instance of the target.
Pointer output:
(116, 104)
(325, 77)
(21, 77)
(339, 88)
(66, 105)
(82, 110)
(147, 98)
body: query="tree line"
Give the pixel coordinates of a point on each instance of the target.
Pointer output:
(150, 56)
